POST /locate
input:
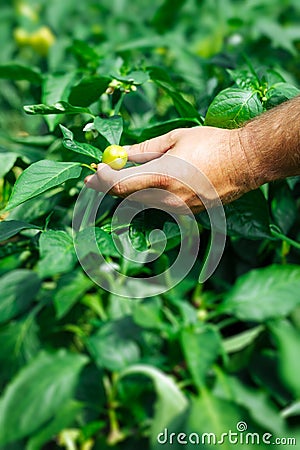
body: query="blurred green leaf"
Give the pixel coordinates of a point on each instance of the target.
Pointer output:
(148, 313)
(20, 344)
(88, 90)
(113, 346)
(201, 346)
(55, 88)
(162, 79)
(9, 228)
(259, 405)
(7, 161)
(258, 295)
(14, 71)
(283, 205)
(49, 382)
(170, 402)
(70, 289)
(205, 423)
(279, 93)
(63, 419)
(287, 339)
(241, 340)
(93, 239)
(136, 77)
(165, 127)
(57, 253)
(291, 410)
(18, 290)
(167, 13)
(248, 217)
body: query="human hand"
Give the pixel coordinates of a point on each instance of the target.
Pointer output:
(181, 168)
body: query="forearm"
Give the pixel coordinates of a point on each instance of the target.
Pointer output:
(271, 143)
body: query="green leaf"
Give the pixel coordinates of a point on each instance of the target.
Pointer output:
(168, 13)
(20, 344)
(292, 410)
(209, 417)
(63, 419)
(111, 128)
(34, 141)
(85, 53)
(16, 71)
(37, 206)
(288, 342)
(136, 77)
(113, 346)
(173, 235)
(248, 216)
(259, 405)
(170, 403)
(57, 253)
(70, 289)
(283, 205)
(148, 313)
(90, 238)
(56, 88)
(7, 161)
(9, 228)
(88, 90)
(241, 340)
(279, 93)
(201, 346)
(58, 108)
(79, 147)
(39, 177)
(165, 127)
(18, 289)
(28, 155)
(263, 294)
(162, 79)
(49, 382)
(232, 107)
(244, 79)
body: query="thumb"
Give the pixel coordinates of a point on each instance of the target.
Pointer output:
(151, 149)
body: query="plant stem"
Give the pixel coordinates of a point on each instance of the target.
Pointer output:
(284, 238)
(119, 104)
(88, 167)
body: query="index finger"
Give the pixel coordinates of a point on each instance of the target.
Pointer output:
(152, 148)
(122, 183)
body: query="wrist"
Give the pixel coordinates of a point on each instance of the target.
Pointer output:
(251, 159)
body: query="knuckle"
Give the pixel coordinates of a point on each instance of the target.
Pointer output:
(119, 189)
(174, 135)
(162, 181)
(144, 147)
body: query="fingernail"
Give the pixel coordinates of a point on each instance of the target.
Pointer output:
(126, 147)
(87, 179)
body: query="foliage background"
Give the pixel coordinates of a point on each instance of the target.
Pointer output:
(84, 369)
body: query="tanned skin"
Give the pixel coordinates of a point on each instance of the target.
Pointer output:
(235, 161)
